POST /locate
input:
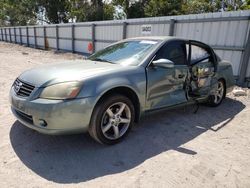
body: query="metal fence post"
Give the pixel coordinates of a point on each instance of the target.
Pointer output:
(35, 40)
(73, 37)
(15, 34)
(57, 38)
(10, 35)
(245, 60)
(93, 37)
(2, 34)
(44, 37)
(27, 34)
(20, 34)
(124, 30)
(5, 33)
(171, 27)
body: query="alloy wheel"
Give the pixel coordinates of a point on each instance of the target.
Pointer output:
(115, 120)
(218, 95)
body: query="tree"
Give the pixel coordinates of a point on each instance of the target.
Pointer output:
(85, 10)
(56, 11)
(246, 4)
(196, 6)
(163, 7)
(132, 8)
(17, 12)
(227, 5)
(109, 11)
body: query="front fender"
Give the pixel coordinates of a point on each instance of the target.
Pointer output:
(134, 79)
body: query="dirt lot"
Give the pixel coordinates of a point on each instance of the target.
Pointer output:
(174, 148)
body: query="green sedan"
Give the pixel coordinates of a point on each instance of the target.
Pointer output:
(112, 89)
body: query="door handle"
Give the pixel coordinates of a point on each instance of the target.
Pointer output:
(181, 75)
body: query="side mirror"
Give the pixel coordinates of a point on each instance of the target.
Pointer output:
(164, 63)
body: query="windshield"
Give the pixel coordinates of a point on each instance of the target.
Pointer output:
(125, 53)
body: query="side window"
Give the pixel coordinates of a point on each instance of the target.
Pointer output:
(174, 51)
(198, 54)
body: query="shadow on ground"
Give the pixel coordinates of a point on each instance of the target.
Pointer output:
(77, 158)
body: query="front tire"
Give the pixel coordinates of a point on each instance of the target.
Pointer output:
(112, 119)
(218, 96)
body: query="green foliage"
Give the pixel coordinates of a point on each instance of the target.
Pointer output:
(197, 7)
(84, 10)
(163, 7)
(246, 5)
(13, 12)
(109, 11)
(132, 8)
(56, 10)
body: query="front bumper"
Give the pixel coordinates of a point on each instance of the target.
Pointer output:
(61, 116)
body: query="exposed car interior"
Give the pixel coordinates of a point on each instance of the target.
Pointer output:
(202, 66)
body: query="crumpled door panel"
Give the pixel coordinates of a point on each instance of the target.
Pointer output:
(202, 78)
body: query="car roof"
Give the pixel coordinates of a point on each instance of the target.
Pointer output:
(163, 38)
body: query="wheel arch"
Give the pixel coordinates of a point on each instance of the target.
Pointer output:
(126, 91)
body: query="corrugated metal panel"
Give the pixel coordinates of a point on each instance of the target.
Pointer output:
(18, 39)
(12, 34)
(31, 31)
(133, 31)
(18, 35)
(23, 30)
(81, 46)
(51, 43)
(83, 32)
(39, 31)
(31, 40)
(65, 44)
(108, 32)
(12, 31)
(50, 31)
(64, 32)
(24, 34)
(40, 42)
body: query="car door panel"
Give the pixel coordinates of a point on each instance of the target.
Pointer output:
(165, 86)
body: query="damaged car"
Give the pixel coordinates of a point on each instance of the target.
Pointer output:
(112, 89)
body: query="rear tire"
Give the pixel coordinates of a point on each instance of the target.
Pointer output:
(217, 98)
(112, 119)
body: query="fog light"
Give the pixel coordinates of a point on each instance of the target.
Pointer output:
(42, 123)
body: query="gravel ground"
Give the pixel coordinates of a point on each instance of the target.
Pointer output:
(174, 148)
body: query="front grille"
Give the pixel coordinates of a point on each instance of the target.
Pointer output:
(25, 117)
(23, 89)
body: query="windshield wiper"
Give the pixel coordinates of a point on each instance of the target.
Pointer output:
(102, 60)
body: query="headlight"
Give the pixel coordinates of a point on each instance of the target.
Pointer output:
(67, 90)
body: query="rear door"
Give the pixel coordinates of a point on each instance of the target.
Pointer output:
(165, 85)
(203, 63)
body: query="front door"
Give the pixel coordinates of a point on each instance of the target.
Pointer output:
(165, 86)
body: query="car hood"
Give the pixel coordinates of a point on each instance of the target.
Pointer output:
(68, 71)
